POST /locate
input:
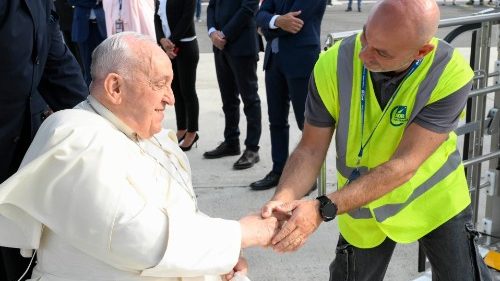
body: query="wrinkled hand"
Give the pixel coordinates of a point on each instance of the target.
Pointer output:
(257, 231)
(290, 22)
(218, 39)
(305, 219)
(241, 267)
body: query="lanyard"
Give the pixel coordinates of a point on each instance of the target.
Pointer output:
(363, 104)
(120, 9)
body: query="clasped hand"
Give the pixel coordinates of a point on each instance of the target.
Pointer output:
(218, 39)
(290, 22)
(168, 46)
(297, 219)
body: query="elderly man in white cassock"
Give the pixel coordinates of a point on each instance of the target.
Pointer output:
(104, 193)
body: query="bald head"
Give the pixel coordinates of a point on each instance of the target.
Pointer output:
(415, 21)
(132, 78)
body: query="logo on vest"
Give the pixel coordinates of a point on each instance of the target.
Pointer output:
(398, 115)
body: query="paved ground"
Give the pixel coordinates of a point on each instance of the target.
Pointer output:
(223, 192)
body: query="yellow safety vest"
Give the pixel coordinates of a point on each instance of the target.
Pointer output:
(438, 190)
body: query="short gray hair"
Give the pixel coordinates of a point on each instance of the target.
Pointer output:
(115, 55)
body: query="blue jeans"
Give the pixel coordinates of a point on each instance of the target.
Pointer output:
(451, 250)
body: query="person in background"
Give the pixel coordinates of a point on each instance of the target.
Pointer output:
(292, 32)
(37, 70)
(65, 12)
(175, 33)
(393, 95)
(105, 193)
(232, 29)
(453, 2)
(349, 6)
(129, 15)
(88, 30)
(198, 11)
(471, 2)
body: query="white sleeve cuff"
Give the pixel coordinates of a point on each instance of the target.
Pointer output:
(272, 21)
(198, 245)
(211, 30)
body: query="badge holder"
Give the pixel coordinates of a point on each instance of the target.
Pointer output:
(119, 25)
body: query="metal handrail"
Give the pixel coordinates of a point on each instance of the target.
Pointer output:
(334, 36)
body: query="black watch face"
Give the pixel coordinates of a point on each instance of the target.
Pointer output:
(328, 212)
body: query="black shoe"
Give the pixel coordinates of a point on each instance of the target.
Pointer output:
(471, 2)
(270, 180)
(359, 10)
(247, 160)
(222, 150)
(179, 140)
(348, 9)
(188, 148)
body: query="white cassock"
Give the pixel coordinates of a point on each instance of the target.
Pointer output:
(98, 204)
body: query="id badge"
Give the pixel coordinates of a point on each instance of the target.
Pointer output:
(119, 26)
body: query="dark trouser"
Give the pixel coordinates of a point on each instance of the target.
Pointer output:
(281, 89)
(184, 86)
(13, 265)
(87, 47)
(198, 9)
(238, 76)
(349, 4)
(451, 250)
(72, 46)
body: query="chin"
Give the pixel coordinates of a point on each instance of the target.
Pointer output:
(375, 69)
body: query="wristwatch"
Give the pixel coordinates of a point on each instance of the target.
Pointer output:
(327, 209)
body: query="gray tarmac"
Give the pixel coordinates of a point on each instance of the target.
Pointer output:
(224, 192)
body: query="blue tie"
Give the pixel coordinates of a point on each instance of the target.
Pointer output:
(275, 45)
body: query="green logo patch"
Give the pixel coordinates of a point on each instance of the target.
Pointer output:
(398, 115)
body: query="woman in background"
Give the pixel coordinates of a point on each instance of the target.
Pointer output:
(129, 15)
(175, 33)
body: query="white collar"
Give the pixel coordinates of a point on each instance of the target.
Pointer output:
(100, 109)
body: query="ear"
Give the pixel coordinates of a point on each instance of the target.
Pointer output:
(424, 50)
(113, 87)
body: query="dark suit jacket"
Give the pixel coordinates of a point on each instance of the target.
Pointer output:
(180, 20)
(236, 19)
(80, 29)
(65, 12)
(302, 49)
(35, 68)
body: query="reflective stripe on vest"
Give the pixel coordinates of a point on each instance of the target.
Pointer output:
(384, 212)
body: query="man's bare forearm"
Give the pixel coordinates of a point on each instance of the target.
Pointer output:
(371, 186)
(299, 174)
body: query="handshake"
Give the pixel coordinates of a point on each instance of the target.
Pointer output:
(283, 226)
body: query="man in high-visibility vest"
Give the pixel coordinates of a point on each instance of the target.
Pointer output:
(393, 94)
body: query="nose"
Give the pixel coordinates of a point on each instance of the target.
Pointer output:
(365, 54)
(168, 96)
